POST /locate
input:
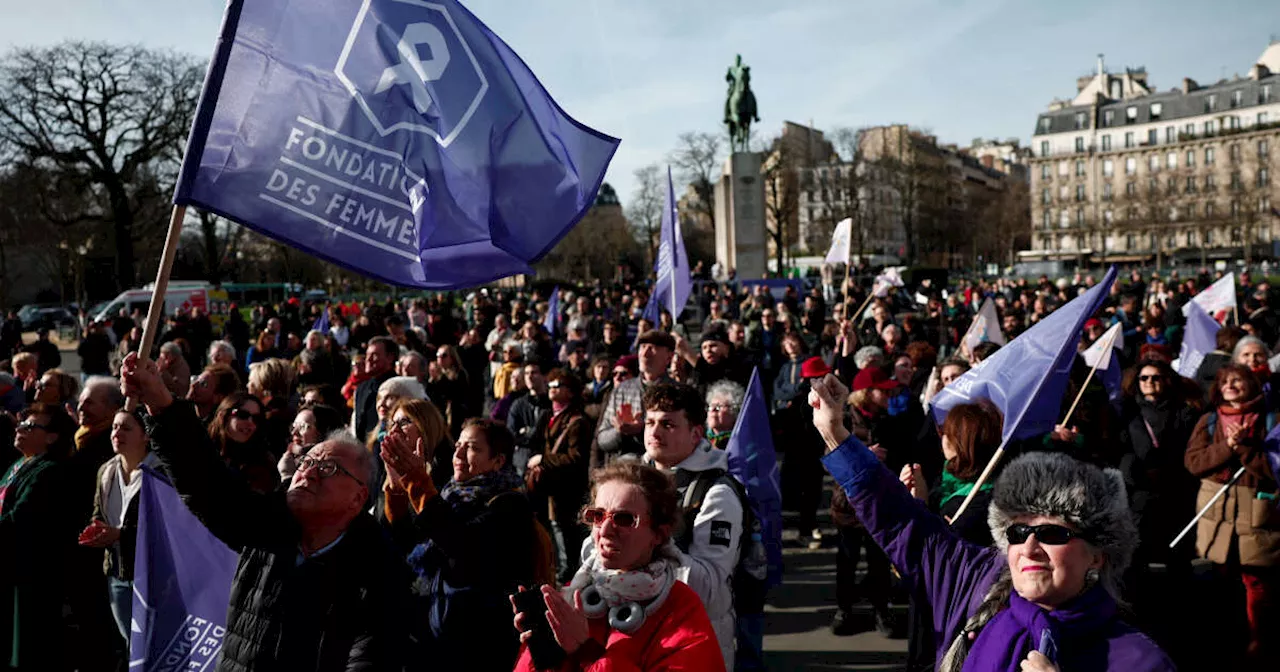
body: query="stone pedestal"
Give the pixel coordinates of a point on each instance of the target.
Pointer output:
(740, 218)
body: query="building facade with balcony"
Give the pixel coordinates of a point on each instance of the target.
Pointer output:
(1124, 172)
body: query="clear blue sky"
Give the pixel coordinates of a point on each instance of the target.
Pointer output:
(647, 70)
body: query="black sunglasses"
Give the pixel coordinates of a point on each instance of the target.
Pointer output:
(241, 414)
(1148, 379)
(1050, 535)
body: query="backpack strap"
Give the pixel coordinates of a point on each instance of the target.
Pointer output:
(691, 504)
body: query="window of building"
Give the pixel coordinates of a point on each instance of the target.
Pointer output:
(1079, 192)
(1130, 189)
(1063, 191)
(1171, 185)
(1208, 236)
(1262, 118)
(1079, 144)
(1044, 171)
(1063, 168)
(1131, 114)
(1235, 235)
(1079, 242)
(1191, 238)
(1080, 120)
(1130, 214)
(1130, 166)
(1264, 176)
(1235, 209)
(1210, 127)
(1080, 217)
(1064, 219)
(1189, 130)
(1079, 168)
(1153, 136)
(1153, 242)
(1170, 135)
(1191, 158)
(1045, 196)
(1108, 168)
(1156, 109)
(1210, 182)
(1106, 143)
(1191, 184)
(1108, 117)
(1208, 156)
(1153, 163)
(1264, 204)
(1108, 216)
(1044, 148)
(1106, 191)
(1128, 140)
(1171, 160)
(1047, 219)
(1236, 184)
(1209, 211)
(1210, 101)
(1234, 153)
(1264, 95)
(1237, 98)
(1130, 241)
(1153, 185)
(1233, 122)
(1263, 148)
(1173, 213)
(1045, 123)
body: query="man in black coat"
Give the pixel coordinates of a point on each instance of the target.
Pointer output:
(95, 351)
(45, 350)
(380, 362)
(318, 585)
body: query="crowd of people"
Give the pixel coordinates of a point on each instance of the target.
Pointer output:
(466, 482)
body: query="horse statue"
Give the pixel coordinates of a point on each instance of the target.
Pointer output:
(740, 106)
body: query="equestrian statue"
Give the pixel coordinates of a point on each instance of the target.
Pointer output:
(740, 107)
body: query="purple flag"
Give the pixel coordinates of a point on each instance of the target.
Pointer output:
(181, 585)
(753, 461)
(553, 312)
(671, 289)
(1027, 378)
(322, 323)
(400, 139)
(1199, 339)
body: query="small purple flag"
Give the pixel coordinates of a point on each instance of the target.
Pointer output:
(672, 265)
(1199, 339)
(553, 312)
(754, 462)
(181, 585)
(322, 323)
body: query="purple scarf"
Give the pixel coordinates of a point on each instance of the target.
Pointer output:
(1013, 633)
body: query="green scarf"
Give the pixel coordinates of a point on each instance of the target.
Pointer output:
(716, 436)
(953, 487)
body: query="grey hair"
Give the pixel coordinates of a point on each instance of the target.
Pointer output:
(317, 332)
(415, 355)
(865, 354)
(110, 388)
(1246, 341)
(309, 357)
(727, 389)
(222, 346)
(890, 327)
(403, 386)
(172, 349)
(366, 469)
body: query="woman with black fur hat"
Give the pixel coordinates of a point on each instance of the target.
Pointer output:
(1044, 599)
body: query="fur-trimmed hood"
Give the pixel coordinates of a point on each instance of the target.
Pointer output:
(1091, 499)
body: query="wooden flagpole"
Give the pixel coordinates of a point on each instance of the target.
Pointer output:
(156, 309)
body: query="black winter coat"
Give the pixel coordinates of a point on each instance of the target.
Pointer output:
(340, 610)
(1162, 493)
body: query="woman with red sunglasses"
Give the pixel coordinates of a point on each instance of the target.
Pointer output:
(625, 606)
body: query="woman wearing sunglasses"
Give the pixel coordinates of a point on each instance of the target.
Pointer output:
(236, 432)
(1042, 600)
(310, 426)
(1240, 533)
(625, 607)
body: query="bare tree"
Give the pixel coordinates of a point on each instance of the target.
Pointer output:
(645, 211)
(697, 157)
(220, 239)
(781, 195)
(854, 186)
(109, 113)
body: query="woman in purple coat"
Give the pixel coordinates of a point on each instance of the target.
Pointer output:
(1042, 600)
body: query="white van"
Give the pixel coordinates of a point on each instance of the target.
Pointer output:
(183, 295)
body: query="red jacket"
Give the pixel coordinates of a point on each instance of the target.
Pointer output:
(678, 637)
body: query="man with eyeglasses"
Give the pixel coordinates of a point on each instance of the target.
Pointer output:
(214, 384)
(318, 585)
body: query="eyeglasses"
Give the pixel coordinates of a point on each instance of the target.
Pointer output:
(554, 385)
(1150, 379)
(720, 408)
(302, 427)
(621, 374)
(28, 425)
(1050, 535)
(402, 423)
(620, 518)
(241, 414)
(325, 468)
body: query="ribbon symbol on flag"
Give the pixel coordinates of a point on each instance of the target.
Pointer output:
(412, 70)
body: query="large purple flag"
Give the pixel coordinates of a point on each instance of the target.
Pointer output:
(1027, 378)
(400, 139)
(181, 583)
(753, 461)
(671, 289)
(1199, 339)
(322, 323)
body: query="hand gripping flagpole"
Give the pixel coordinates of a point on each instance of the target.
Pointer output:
(155, 310)
(1200, 514)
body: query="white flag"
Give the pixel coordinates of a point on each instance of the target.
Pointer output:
(1217, 298)
(985, 327)
(839, 252)
(1099, 354)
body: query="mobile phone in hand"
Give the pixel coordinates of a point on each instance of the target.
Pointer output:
(543, 647)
